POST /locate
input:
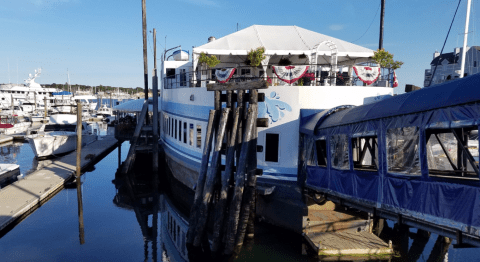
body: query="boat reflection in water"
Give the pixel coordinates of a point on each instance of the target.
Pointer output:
(139, 193)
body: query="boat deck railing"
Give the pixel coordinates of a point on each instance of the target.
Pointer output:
(244, 74)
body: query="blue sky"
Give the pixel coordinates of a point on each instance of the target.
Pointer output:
(100, 41)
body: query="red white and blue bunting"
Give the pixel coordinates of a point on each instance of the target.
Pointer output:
(395, 80)
(368, 74)
(290, 74)
(223, 75)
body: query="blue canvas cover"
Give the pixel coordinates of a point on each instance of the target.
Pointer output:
(403, 187)
(62, 93)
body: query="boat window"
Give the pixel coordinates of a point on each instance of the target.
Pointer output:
(176, 129)
(321, 149)
(245, 71)
(183, 77)
(185, 132)
(365, 153)
(180, 131)
(191, 134)
(453, 152)
(199, 136)
(339, 152)
(171, 127)
(402, 150)
(271, 147)
(174, 231)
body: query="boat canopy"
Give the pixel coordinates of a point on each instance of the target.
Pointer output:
(279, 40)
(443, 96)
(63, 93)
(135, 106)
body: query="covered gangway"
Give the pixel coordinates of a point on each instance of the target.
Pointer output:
(412, 158)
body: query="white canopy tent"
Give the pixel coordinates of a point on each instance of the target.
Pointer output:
(135, 106)
(299, 45)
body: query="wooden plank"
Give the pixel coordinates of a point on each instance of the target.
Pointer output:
(261, 84)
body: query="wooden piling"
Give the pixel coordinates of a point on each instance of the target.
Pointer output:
(249, 193)
(145, 60)
(225, 183)
(235, 205)
(78, 174)
(212, 119)
(45, 107)
(155, 108)
(210, 179)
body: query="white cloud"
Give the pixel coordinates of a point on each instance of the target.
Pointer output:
(336, 27)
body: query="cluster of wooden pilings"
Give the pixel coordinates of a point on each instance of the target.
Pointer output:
(225, 194)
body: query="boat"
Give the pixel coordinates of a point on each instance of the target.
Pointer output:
(8, 173)
(59, 136)
(305, 72)
(105, 113)
(13, 124)
(30, 91)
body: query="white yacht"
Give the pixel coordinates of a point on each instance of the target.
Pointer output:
(11, 124)
(105, 113)
(305, 71)
(30, 91)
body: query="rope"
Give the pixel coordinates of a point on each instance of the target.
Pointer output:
(441, 52)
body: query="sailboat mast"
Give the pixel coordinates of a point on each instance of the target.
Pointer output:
(465, 36)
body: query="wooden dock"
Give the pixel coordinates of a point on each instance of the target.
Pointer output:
(331, 232)
(22, 197)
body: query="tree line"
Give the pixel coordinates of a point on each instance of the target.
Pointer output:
(93, 89)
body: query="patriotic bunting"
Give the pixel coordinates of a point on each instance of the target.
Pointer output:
(223, 75)
(290, 74)
(395, 80)
(368, 74)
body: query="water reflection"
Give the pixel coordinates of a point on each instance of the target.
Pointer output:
(139, 193)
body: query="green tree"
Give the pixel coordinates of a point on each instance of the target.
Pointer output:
(385, 60)
(210, 61)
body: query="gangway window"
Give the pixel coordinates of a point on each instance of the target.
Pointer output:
(339, 152)
(453, 152)
(365, 153)
(402, 150)
(321, 148)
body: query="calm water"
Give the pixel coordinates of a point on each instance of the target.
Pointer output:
(113, 223)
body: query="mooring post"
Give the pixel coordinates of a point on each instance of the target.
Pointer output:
(155, 108)
(212, 119)
(210, 179)
(78, 173)
(249, 194)
(145, 61)
(225, 183)
(45, 107)
(235, 205)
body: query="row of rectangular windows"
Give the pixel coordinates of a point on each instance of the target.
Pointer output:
(176, 234)
(449, 152)
(188, 133)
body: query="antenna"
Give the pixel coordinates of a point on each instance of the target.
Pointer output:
(8, 61)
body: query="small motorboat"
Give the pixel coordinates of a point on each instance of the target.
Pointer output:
(8, 174)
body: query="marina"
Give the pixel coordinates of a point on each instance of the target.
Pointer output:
(271, 142)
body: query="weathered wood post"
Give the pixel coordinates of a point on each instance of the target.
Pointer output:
(212, 119)
(45, 107)
(235, 205)
(225, 183)
(210, 180)
(78, 174)
(155, 108)
(145, 61)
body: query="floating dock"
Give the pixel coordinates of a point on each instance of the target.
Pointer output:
(20, 198)
(5, 138)
(333, 232)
